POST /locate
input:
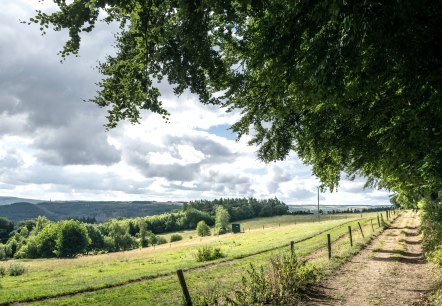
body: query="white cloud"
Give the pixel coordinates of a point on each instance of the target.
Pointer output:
(54, 146)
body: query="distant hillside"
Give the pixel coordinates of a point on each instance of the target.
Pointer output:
(11, 200)
(101, 211)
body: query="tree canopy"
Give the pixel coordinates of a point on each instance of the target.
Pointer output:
(350, 86)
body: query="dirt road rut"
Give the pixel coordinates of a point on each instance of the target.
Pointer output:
(390, 271)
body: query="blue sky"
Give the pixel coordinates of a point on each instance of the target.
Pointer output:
(54, 146)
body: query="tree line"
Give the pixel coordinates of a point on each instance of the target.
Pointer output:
(41, 237)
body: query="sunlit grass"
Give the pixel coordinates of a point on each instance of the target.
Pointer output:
(52, 277)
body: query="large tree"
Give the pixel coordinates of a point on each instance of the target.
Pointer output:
(350, 86)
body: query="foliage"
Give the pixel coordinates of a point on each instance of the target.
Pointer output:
(350, 86)
(2, 271)
(161, 240)
(16, 269)
(202, 229)
(96, 239)
(85, 211)
(119, 238)
(175, 237)
(431, 214)
(45, 241)
(2, 251)
(30, 239)
(287, 278)
(152, 238)
(207, 253)
(6, 227)
(241, 208)
(72, 239)
(222, 218)
(143, 238)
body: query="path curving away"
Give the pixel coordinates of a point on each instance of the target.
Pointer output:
(390, 271)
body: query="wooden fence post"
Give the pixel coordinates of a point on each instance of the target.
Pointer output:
(292, 246)
(329, 246)
(184, 287)
(360, 227)
(372, 227)
(351, 238)
(379, 223)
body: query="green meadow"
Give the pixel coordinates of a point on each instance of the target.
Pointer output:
(147, 276)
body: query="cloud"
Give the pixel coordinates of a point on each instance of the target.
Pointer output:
(54, 145)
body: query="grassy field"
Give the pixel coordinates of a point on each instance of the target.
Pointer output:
(58, 277)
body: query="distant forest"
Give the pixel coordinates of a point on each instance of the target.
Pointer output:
(100, 211)
(41, 237)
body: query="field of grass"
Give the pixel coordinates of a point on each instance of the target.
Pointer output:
(58, 277)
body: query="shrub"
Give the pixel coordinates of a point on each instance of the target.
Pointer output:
(436, 255)
(16, 269)
(2, 271)
(161, 240)
(72, 238)
(282, 284)
(207, 253)
(151, 238)
(175, 237)
(202, 229)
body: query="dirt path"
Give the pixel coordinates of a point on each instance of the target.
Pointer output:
(390, 271)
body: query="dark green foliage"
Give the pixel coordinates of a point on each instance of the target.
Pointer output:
(202, 229)
(72, 238)
(6, 227)
(85, 211)
(96, 239)
(207, 253)
(2, 251)
(143, 234)
(241, 209)
(193, 216)
(175, 237)
(431, 213)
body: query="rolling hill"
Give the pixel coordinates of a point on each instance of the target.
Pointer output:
(100, 210)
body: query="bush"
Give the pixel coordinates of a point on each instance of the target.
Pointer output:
(431, 214)
(436, 255)
(207, 253)
(175, 237)
(16, 269)
(202, 229)
(72, 238)
(2, 271)
(282, 284)
(161, 240)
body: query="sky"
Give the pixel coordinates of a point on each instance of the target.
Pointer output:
(53, 144)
